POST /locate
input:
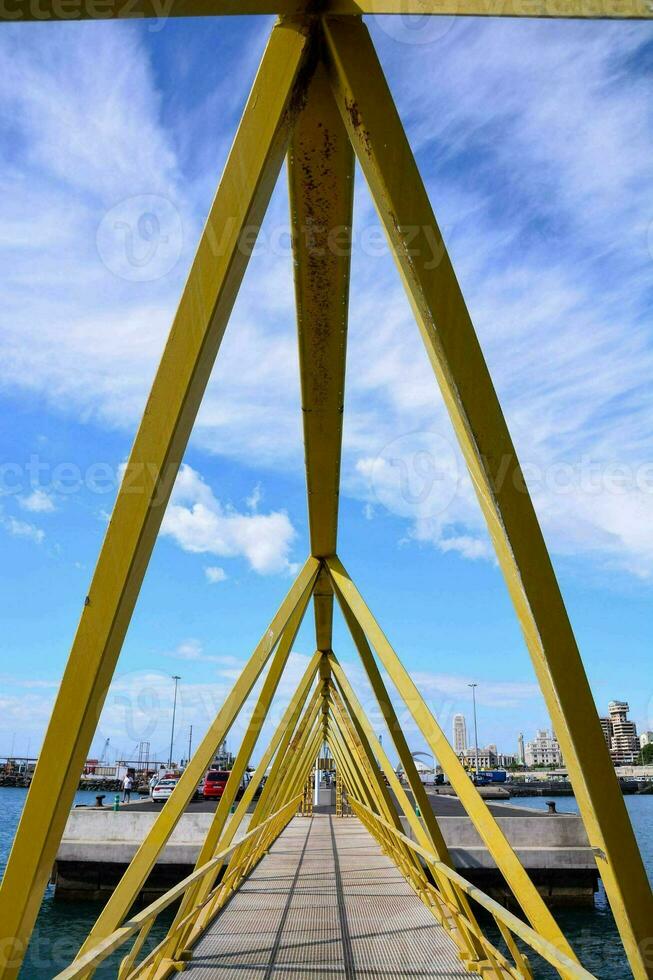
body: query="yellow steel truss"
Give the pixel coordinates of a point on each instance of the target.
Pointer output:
(320, 98)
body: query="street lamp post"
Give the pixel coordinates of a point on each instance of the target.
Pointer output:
(176, 678)
(473, 687)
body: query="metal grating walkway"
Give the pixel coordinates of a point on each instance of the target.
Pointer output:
(324, 903)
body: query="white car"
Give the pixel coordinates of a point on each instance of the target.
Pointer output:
(163, 789)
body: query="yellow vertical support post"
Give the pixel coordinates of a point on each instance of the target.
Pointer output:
(378, 137)
(339, 809)
(197, 331)
(306, 803)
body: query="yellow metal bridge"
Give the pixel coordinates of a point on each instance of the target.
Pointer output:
(320, 100)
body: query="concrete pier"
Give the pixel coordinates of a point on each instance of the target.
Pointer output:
(98, 844)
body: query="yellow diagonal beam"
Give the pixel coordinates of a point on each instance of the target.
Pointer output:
(215, 839)
(249, 177)
(252, 732)
(425, 831)
(362, 753)
(321, 187)
(143, 861)
(396, 734)
(218, 842)
(493, 837)
(287, 725)
(453, 349)
(291, 746)
(356, 711)
(161, 10)
(286, 788)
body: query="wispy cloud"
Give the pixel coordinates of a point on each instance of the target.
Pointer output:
(38, 502)
(535, 141)
(21, 529)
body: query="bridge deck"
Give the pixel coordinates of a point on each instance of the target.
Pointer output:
(324, 903)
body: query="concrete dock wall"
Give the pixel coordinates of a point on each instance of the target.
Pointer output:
(99, 844)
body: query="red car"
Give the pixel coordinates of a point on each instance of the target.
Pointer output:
(214, 783)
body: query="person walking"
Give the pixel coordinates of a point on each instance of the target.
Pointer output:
(127, 789)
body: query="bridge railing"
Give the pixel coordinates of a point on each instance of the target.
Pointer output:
(244, 852)
(453, 918)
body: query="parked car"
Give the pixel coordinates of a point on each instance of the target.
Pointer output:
(214, 783)
(163, 789)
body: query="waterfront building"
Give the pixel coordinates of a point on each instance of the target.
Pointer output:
(521, 758)
(646, 738)
(487, 757)
(621, 734)
(606, 728)
(543, 750)
(459, 734)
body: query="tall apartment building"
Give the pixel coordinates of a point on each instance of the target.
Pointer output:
(606, 727)
(621, 734)
(543, 750)
(521, 754)
(459, 734)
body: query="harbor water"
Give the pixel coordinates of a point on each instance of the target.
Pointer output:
(63, 926)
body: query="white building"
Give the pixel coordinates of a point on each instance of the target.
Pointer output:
(521, 757)
(487, 757)
(459, 734)
(543, 750)
(646, 738)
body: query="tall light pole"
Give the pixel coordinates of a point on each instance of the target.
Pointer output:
(176, 678)
(473, 687)
(190, 742)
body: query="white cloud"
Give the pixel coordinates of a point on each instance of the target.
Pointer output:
(215, 574)
(199, 523)
(255, 497)
(193, 650)
(38, 502)
(540, 173)
(21, 529)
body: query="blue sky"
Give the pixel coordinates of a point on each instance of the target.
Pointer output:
(535, 140)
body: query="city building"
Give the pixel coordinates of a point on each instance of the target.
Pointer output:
(543, 750)
(646, 738)
(505, 760)
(606, 728)
(459, 734)
(487, 758)
(621, 734)
(521, 758)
